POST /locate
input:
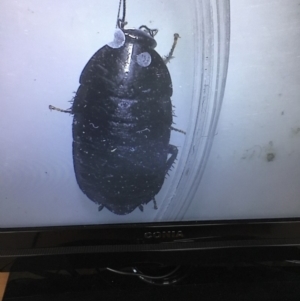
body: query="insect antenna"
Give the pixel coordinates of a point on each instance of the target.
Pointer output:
(121, 22)
(151, 32)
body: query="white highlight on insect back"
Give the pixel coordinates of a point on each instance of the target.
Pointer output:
(144, 59)
(119, 39)
(129, 57)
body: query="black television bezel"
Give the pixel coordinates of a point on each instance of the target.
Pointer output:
(171, 243)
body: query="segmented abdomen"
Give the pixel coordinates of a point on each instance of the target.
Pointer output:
(120, 147)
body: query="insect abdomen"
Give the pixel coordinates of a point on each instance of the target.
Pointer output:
(120, 148)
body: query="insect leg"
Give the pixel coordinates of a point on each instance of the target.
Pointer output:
(170, 55)
(60, 110)
(177, 130)
(155, 204)
(173, 150)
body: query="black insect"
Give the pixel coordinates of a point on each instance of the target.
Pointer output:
(122, 121)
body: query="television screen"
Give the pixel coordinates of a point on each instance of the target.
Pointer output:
(149, 113)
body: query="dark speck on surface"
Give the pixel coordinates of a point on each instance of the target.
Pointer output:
(270, 157)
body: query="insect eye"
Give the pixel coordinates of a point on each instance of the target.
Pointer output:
(144, 59)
